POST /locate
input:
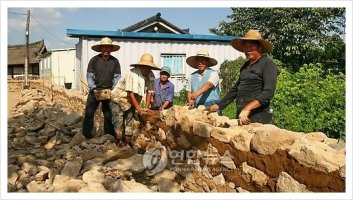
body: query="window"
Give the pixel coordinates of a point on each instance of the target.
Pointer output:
(175, 62)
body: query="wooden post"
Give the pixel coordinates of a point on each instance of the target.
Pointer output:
(26, 85)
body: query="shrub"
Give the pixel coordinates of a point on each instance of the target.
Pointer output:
(181, 99)
(309, 100)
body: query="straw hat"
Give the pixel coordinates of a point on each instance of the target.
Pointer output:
(252, 35)
(147, 61)
(191, 61)
(105, 42)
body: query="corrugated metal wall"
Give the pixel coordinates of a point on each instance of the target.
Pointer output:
(132, 49)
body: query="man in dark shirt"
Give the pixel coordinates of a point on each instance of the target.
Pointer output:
(103, 73)
(164, 93)
(256, 85)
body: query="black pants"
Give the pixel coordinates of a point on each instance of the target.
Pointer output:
(260, 116)
(91, 107)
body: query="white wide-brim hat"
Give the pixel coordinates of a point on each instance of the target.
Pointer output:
(191, 61)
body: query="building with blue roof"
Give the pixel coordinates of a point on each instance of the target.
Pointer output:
(169, 45)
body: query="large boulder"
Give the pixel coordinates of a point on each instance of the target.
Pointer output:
(72, 167)
(129, 186)
(71, 118)
(93, 176)
(317, 155)
(223, 134)
(285, 183)
(133, 164)
(251, 174)
(241, 140)
(267, 142)
(202, 129)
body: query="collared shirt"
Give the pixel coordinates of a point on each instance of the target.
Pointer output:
(256, 82)
(134, 82)
(163, 94)
(214, 79)
(103, 72)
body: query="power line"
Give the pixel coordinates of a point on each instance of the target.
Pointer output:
(14, 13)
(55, 37)
(41, 26)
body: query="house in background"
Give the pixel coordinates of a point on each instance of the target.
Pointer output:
(16, 59)
(169, 45)
(155, 24)
(58, 65)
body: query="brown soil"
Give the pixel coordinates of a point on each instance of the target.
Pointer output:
(13, 98)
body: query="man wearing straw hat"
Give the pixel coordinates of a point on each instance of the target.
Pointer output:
(257, 82)
(127, 96)
(103, 73)
(203, 84)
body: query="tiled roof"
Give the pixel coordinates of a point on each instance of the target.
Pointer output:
(16, 53)
(156, 18)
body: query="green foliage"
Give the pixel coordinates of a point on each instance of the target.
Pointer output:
(229, 72)
(181, 98)
(310, 100)
(306, 101)
(230, 110)
(299, 35)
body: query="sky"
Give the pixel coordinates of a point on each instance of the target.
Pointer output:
(50, 24)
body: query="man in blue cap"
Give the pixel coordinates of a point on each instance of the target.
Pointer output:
(164, 90)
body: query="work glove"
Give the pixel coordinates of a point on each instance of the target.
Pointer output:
(244, 117)
(104, 94)
(212, 108)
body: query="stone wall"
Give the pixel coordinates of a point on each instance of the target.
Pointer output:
(206, 153)
(263, 157)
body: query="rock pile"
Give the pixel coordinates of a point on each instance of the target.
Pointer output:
(42, 158)
(178, 150)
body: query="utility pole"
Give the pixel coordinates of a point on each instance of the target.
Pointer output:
(26, 85)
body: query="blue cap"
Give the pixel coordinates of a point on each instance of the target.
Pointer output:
(166, 69)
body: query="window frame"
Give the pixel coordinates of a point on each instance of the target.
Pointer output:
(183, 55)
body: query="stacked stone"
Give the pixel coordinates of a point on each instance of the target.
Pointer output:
(253, 158)
(265, 157)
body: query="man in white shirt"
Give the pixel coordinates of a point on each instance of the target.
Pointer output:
(203, 84)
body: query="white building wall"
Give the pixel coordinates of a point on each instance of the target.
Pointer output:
(59, 66)
(132, 49)
(45, 68)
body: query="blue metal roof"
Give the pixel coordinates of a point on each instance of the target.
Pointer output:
(158, 36)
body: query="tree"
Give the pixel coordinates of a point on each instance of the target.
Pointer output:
(299, 35)
(229, 72)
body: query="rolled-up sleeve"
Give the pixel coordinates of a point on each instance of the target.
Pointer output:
(214, 78)
(270, 74)
(90, 80)
(170, 94)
